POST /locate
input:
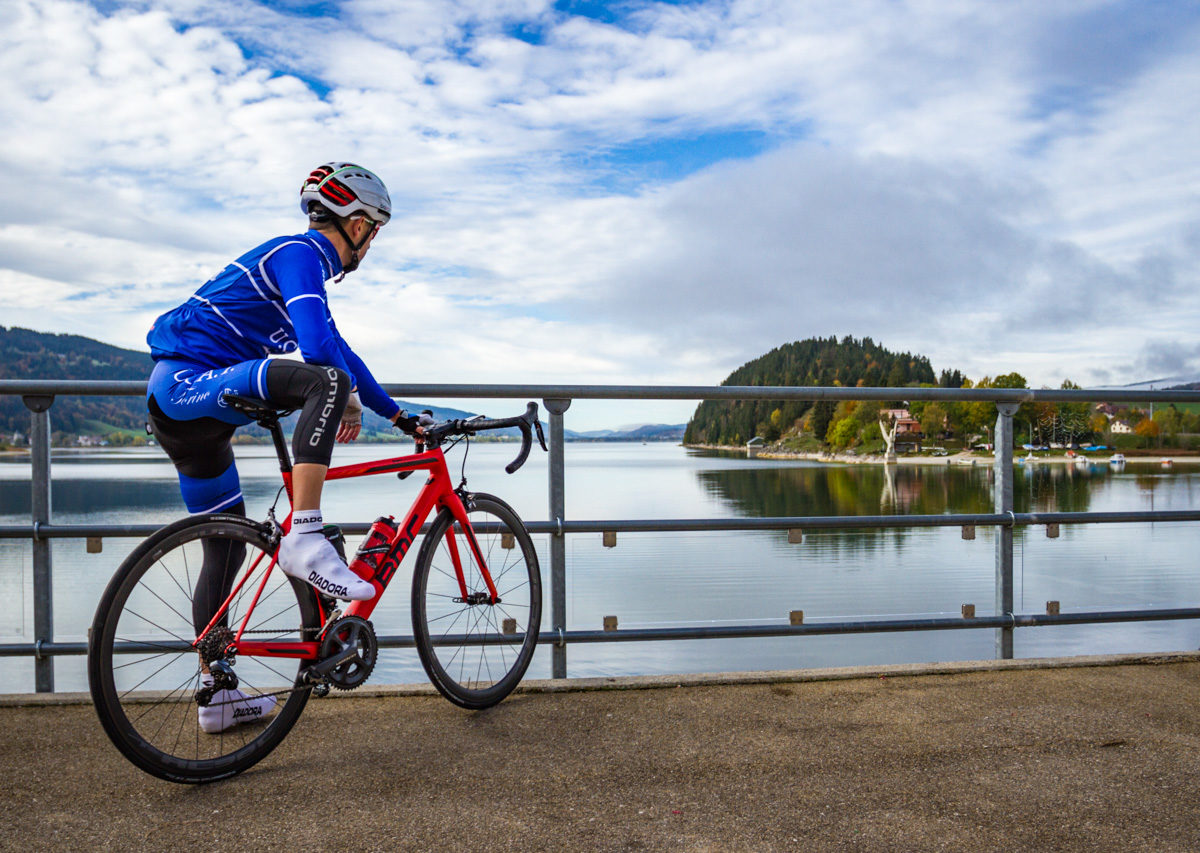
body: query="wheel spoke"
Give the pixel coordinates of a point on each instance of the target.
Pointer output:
(464, 649)
(158, 724)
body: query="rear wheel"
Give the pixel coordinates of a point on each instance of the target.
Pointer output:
(476, 652)
(144, 671)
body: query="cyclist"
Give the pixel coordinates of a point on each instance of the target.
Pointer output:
(271, 300)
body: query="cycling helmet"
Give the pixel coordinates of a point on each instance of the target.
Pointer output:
(336, 191)
(345, 189)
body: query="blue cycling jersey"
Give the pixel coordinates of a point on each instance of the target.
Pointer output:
(270, 300)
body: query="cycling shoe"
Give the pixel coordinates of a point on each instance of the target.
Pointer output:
(229, 708)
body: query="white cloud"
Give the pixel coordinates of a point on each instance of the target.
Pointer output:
(961, 180)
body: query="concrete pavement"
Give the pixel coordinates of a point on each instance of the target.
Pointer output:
(1098, 757)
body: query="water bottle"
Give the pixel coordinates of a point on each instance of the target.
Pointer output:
(374, 548)
(334, 534)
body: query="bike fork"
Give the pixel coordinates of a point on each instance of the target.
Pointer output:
(476, 552)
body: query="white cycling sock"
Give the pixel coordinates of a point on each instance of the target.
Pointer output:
(306, 554)
(307, 521)
(229, 708)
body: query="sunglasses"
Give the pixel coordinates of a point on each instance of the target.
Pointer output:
(375, 224)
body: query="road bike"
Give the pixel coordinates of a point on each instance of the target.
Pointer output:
(476, 613)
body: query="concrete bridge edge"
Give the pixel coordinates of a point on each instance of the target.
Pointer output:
(659, 682)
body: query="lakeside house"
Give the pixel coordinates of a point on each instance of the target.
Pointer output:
(908, 434)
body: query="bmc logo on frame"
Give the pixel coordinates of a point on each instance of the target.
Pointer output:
(389, 564)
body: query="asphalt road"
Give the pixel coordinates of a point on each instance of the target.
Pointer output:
(1082, 758)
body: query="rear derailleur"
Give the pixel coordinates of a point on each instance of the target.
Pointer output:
(215, 651)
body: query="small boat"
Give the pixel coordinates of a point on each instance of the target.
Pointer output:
(1166, 463)
(1117, 459)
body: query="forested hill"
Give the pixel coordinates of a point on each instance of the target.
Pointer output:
(26, 354)
(816, 361)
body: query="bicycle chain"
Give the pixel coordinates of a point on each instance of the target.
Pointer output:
(287, 692)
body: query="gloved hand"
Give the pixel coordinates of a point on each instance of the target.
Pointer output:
(351, 423)
(413, 424)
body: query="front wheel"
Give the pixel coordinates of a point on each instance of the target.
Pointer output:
(144, 670)
(475, 652)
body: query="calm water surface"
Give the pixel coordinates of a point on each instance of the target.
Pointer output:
(695, 579)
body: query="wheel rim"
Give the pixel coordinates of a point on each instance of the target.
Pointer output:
(479, 648)
(151, 672)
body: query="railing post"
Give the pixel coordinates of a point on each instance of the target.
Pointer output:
(1003, 485)
(43, 599)
(558, 541)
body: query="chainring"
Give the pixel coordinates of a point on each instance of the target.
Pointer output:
(348, 632)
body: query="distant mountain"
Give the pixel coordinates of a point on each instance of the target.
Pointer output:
(640, 432)
(1169, 383)
(25, 354)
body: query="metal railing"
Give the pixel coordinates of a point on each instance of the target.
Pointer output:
(39, 397)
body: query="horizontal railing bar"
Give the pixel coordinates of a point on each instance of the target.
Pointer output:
(107, 388)
(681, 525)
(728, 632)
(850, 522)
(870, 626)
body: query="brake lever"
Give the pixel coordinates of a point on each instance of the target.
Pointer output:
(537, 425)
(418, 447)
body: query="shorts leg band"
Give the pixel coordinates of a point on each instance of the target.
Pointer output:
(212, 494)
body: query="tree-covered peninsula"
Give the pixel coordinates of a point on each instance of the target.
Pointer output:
(847, 362)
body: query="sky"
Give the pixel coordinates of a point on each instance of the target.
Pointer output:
(630, 192)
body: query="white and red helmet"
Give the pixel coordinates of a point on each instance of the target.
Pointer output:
(345, 189)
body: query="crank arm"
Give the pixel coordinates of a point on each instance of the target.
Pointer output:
(319, 671)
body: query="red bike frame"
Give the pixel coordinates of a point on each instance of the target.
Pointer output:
(437, 493)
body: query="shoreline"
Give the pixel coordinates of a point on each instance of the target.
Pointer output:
(963, 458)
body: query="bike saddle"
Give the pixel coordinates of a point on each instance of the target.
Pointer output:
(260, 410)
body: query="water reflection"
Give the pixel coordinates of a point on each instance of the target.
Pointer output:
(83, 496)
(896, 490)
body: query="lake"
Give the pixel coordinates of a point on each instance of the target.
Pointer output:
(653, 579)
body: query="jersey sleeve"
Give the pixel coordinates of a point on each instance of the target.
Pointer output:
(370, 391)
(297, 272)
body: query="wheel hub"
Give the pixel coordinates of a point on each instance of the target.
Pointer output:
(477, 598)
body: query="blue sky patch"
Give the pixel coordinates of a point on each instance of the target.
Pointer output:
(530, 32)
(307, 8)
(596, 10)
(626, 167)
(618, 13)
(318, 86)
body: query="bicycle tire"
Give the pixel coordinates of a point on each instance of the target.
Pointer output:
(448, 633)
(143, 671)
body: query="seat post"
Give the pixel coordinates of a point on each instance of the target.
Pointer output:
(285, 460)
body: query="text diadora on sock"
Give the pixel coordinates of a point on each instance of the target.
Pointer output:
(307, 520)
